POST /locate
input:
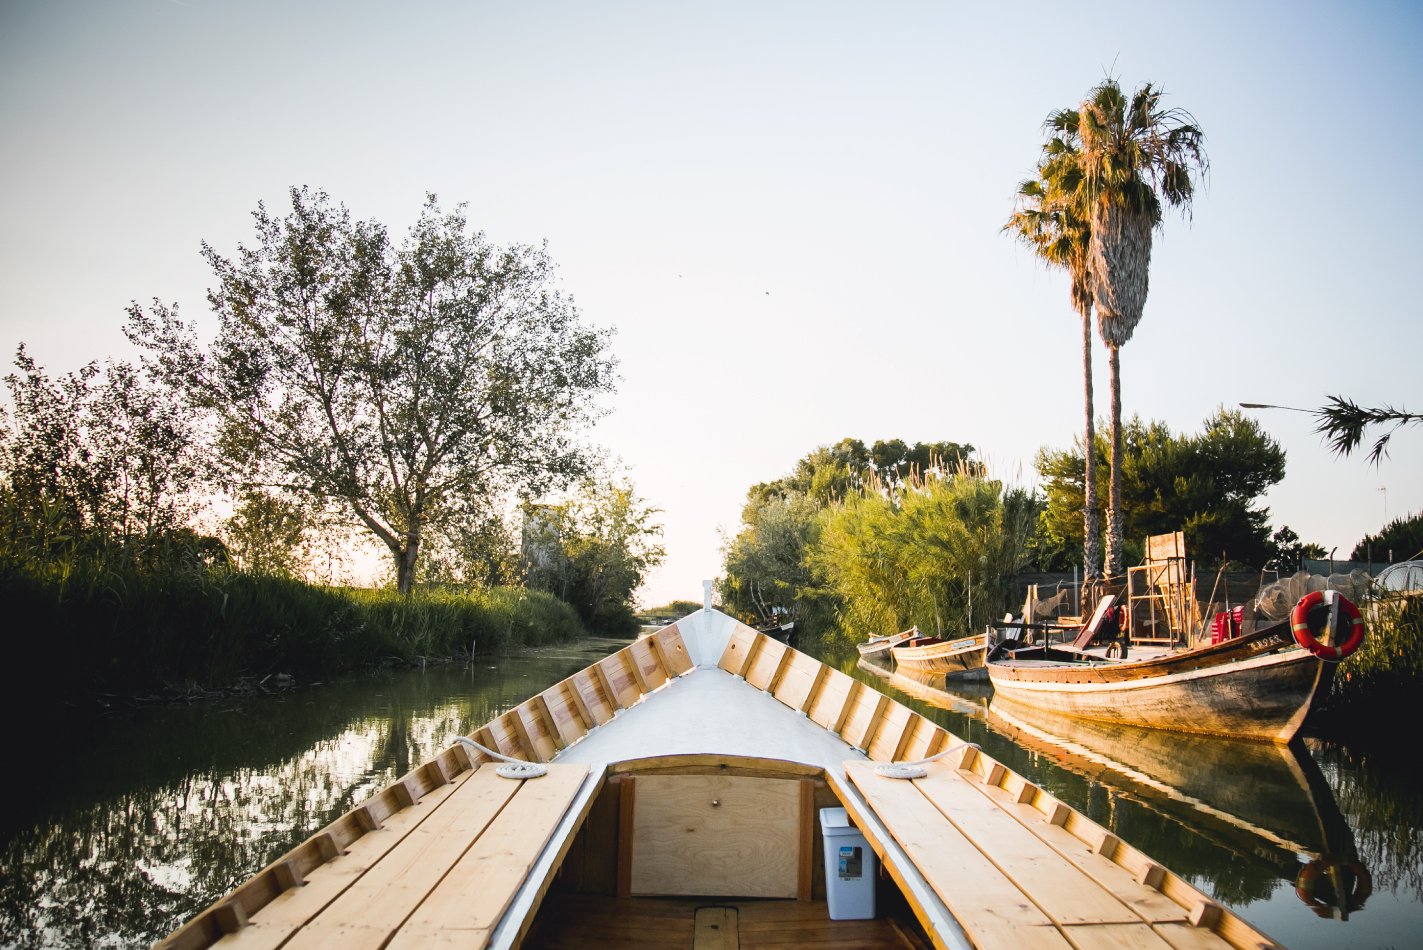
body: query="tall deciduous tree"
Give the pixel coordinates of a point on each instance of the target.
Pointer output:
(1053, 219)
(1134, 155)
(400, 385)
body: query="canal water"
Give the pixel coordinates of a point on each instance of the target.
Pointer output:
(124, 827)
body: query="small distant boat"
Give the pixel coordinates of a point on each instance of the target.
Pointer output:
(961, 658)
(876, 645)
(783, 632)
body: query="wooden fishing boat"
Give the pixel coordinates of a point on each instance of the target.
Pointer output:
(961, 658)
(877, 645)
(669, 794)
(1256, 686)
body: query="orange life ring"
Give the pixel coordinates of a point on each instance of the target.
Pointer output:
(1362, 889)
(1299, 626)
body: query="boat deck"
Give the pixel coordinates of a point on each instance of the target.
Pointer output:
(579, 922)
(1013, 866)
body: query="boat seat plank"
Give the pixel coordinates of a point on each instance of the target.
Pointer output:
(989, 905)
(1057, 886)
(373, 907)
(274, 924)
(1137, 936)
(1148, 903)
(467, 904)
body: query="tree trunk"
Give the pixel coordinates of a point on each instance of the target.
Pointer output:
(1091, 535)
(406, 559)
(1114, 482)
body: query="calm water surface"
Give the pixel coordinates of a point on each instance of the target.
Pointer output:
(134, 822)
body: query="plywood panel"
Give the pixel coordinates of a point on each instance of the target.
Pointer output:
(738, 648)
(619, 678)
(830, 701)
(795, 683)
(715, 835)
(649, 664)
(674, 650)
(886, 745)
(767, 660)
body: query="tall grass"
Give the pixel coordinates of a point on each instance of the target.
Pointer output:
(1380, 682)
(95, 626)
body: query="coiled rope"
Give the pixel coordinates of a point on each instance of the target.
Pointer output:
(916, 768)
(514, 768)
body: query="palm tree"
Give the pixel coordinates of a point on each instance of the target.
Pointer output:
(1052, 219)
(1133, 154)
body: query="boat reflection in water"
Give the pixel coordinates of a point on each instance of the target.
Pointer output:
(1264, 802)
(1259, 799)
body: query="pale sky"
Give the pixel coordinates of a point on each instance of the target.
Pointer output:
(789, 212)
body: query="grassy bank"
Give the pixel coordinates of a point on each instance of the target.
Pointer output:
(1379, 683)
(79, 630)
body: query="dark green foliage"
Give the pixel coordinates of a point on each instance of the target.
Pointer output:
(1379, 683)
(593, 552)
(1206, 485)
(1401, 536)
(87, 627)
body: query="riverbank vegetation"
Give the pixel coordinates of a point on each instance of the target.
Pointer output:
(878, 538)
(198, 517)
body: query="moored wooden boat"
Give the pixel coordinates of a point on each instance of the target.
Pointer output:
(960, 658)
(1257, 686)
(681, 778)
(877, 645)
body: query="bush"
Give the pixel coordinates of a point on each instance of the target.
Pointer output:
(1380, 682)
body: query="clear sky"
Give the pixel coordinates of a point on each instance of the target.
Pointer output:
(789, 212)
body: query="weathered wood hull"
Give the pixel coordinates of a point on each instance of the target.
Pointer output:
(880, 645)
(1264, 696)
(960, 659)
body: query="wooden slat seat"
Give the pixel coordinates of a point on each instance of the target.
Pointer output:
(449, 875)
(1008, 886)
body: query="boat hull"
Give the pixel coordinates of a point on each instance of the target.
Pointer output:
(958, 659)
(883, 644)
(1263, 697)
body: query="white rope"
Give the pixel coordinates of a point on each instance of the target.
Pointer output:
(516, 768)
(916, 769)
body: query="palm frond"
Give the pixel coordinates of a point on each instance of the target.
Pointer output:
(1342, 422)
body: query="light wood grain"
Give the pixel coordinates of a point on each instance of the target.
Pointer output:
(716, 835)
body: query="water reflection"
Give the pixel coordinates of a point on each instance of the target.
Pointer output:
(146, 819)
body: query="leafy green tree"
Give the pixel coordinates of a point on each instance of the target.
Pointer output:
(832, 472)
(1206, 485)
(1053, 219)
(402, 387)
(765, 564)
(1134, 154)
(1399, 540)
(938, 552)
(594, 551)
(99, 457)
(267, 534)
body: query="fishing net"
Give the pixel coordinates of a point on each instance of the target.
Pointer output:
(1275, 600)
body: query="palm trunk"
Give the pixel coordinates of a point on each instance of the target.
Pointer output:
(1091, 532)
(1114, 483)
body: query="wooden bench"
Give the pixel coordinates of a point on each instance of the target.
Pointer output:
(1014, 876)
(429, 874)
